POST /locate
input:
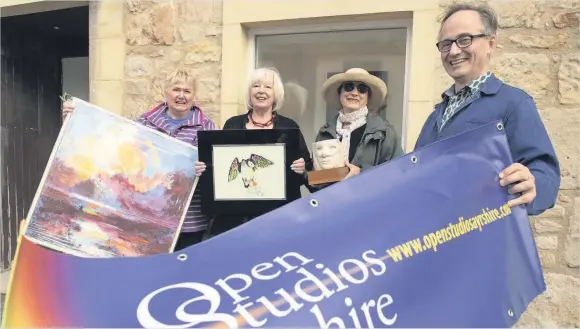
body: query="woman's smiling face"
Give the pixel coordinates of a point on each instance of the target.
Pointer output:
(262, 93)
(351, 98)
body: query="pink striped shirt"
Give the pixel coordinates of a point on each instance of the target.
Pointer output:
(195, 220)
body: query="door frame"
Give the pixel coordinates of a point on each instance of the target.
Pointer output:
(406, 23)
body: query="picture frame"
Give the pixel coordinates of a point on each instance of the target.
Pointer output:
(247, 171)
(112, 188)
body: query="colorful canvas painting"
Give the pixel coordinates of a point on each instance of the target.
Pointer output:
(251, 172)
(112, 188)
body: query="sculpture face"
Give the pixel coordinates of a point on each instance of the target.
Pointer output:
(328, 154)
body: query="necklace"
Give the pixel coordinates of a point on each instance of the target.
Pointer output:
(262, 125)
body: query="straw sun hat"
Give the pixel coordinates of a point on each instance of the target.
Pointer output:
(377, 86)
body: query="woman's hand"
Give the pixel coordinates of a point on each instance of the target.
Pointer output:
(199, 168)
(67, 108)
(298, 166)
(353, 170)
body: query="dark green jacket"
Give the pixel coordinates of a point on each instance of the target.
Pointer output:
(380, 143)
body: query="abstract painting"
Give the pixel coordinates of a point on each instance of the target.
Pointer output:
(254, 172)
(112, 188)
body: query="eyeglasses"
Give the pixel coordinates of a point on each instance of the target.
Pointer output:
(349, 86)
(461, 42)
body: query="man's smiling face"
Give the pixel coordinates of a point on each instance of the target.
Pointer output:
(466, 64)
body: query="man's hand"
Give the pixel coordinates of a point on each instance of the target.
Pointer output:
(353, 170)
(522, 181)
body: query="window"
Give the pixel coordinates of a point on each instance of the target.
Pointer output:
(306, 60)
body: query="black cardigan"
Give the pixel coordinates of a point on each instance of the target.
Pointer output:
(222, 223)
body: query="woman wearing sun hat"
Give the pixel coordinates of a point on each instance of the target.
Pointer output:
(367, 139)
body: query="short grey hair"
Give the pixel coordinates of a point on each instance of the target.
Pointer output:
(487, 14)
(260, 74)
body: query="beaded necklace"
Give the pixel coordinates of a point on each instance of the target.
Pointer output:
(259, 124)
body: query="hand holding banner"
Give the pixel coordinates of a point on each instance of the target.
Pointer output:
(425, 240)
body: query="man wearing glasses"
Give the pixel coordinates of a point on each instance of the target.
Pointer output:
(466, 40)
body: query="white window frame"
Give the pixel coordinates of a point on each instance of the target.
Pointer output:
(252, 34)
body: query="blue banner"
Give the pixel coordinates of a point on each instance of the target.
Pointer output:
(423, 241)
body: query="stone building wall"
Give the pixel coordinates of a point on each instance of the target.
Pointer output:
(538, 51)
(162, 35)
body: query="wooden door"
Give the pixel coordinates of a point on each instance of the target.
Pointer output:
(30, 121)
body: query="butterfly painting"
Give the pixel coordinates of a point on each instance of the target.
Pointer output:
(246, 169)
(252, 172)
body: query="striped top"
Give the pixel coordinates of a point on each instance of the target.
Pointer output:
(195, 220)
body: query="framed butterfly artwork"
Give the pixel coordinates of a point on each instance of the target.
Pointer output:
(247, 171)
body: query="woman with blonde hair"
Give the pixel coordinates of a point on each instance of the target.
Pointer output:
(179, 117)
(264, 98)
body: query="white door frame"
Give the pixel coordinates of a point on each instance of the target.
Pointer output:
(334, 27)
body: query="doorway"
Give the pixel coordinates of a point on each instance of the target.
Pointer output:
(40, 52)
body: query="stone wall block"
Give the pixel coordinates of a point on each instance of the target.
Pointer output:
(158, 89)
(568, 5)
(209, 90)
(196, 11)
(136, 6)
(217, 12)
(442, 81)
(209, 71)
(176, 55)
(213, 31)
(137, 87)
(204, 10)
(547, 226)
(136, 105)
(138, 66)
(531, 72)
(138, 31)
(147, 51)
(547, 242)
(556, 213)
(563, 126)
(191, 32)
(106, 20)
(203, 53)
(569, 80)
(569, 19)
(557, 307)
(547, 258)
(521, 14)
(572, 247)
(163, 24)
(108, 95)
(543, 41)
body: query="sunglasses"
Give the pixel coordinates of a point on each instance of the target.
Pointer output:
(349, 86)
